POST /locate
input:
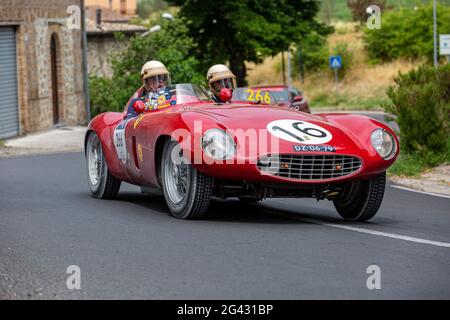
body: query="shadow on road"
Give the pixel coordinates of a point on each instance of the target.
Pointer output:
(235, 211)
(231, 210)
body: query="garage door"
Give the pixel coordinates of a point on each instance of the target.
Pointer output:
(9, 116)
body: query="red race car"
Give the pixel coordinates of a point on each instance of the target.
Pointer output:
(287, 96)
(180, 142)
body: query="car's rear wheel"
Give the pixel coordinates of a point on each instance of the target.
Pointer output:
(102, 184)
(360, 200)
(186, 190)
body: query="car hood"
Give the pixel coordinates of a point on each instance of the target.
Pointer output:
(244, 117)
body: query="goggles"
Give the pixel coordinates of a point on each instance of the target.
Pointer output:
(157, 79)
(223, 83)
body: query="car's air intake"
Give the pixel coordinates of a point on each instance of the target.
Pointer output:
(309, 167)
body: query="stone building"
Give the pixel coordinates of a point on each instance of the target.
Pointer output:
(124, 7)
(41, 74)
(102, 25)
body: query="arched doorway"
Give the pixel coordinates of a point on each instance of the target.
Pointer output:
(54, 76)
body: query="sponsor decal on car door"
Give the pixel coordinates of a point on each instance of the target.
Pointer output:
(120, 141)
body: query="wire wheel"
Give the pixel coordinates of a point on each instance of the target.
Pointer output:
(186, 190)
(176, 175)
(94, 160)
(102, 183)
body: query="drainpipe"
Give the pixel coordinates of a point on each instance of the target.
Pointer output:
(85, 69)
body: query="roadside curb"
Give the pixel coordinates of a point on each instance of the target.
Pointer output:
(427, 182)
(8, 152)
(58, 140)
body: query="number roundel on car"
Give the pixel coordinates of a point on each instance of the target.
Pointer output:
(299, 131)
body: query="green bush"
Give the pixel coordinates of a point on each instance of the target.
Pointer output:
(412, 164)
(341, 49)
(170, 45)
(421, 101)
(313, 52)
(406, 33)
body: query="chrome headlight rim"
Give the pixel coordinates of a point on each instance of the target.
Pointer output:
(381, 134)
(229, 149)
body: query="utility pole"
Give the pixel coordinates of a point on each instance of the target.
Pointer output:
(282, 68)
(289, 67)
(84, 56)
(435, 34)
(302, 69)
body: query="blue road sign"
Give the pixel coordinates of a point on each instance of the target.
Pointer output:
(335, 62)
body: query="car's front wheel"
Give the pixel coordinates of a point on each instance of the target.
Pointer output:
(102, 184)
(186, 190)
(360, 200)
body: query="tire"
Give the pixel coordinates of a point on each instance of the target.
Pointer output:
(361, 200)
(102, 184)
(186, 190)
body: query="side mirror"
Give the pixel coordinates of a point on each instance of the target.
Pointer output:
(138, 106)
(298, 98)
(225, 94)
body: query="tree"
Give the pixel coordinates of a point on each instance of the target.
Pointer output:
(328, 10)
(246, 30)
(171, 45)
(359, 7)
(406, 33)
(146, 7)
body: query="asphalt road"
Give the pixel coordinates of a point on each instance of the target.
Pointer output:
(280, 249)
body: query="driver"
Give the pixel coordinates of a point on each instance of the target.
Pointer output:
(219, 77)
(154, 76)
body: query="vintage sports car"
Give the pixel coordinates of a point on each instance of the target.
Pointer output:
(287, 96)
(180, 142)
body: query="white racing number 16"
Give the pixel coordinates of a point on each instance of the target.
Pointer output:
(299, 131)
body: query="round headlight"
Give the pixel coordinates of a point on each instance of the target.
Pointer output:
(384, 143)
(217, 144)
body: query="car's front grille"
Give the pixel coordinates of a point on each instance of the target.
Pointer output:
(309, 167)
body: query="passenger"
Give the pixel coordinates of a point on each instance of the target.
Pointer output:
(220, 76)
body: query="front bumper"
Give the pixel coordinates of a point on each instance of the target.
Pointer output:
(335, 168)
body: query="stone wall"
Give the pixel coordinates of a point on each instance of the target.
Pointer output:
(101, 49)
(36, 21)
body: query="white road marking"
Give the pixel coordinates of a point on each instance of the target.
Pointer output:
(368, 231)
(418, 191)
(379, 233)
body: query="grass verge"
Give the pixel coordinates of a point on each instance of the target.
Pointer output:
(329, 100)
(363, 87)
(414, 164)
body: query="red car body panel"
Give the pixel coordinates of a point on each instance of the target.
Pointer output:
(350, 136)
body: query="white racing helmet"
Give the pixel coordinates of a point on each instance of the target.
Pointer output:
(220, 76)
(153, 73)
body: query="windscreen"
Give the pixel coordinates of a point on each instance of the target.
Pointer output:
(176, 94)
(281, 95)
